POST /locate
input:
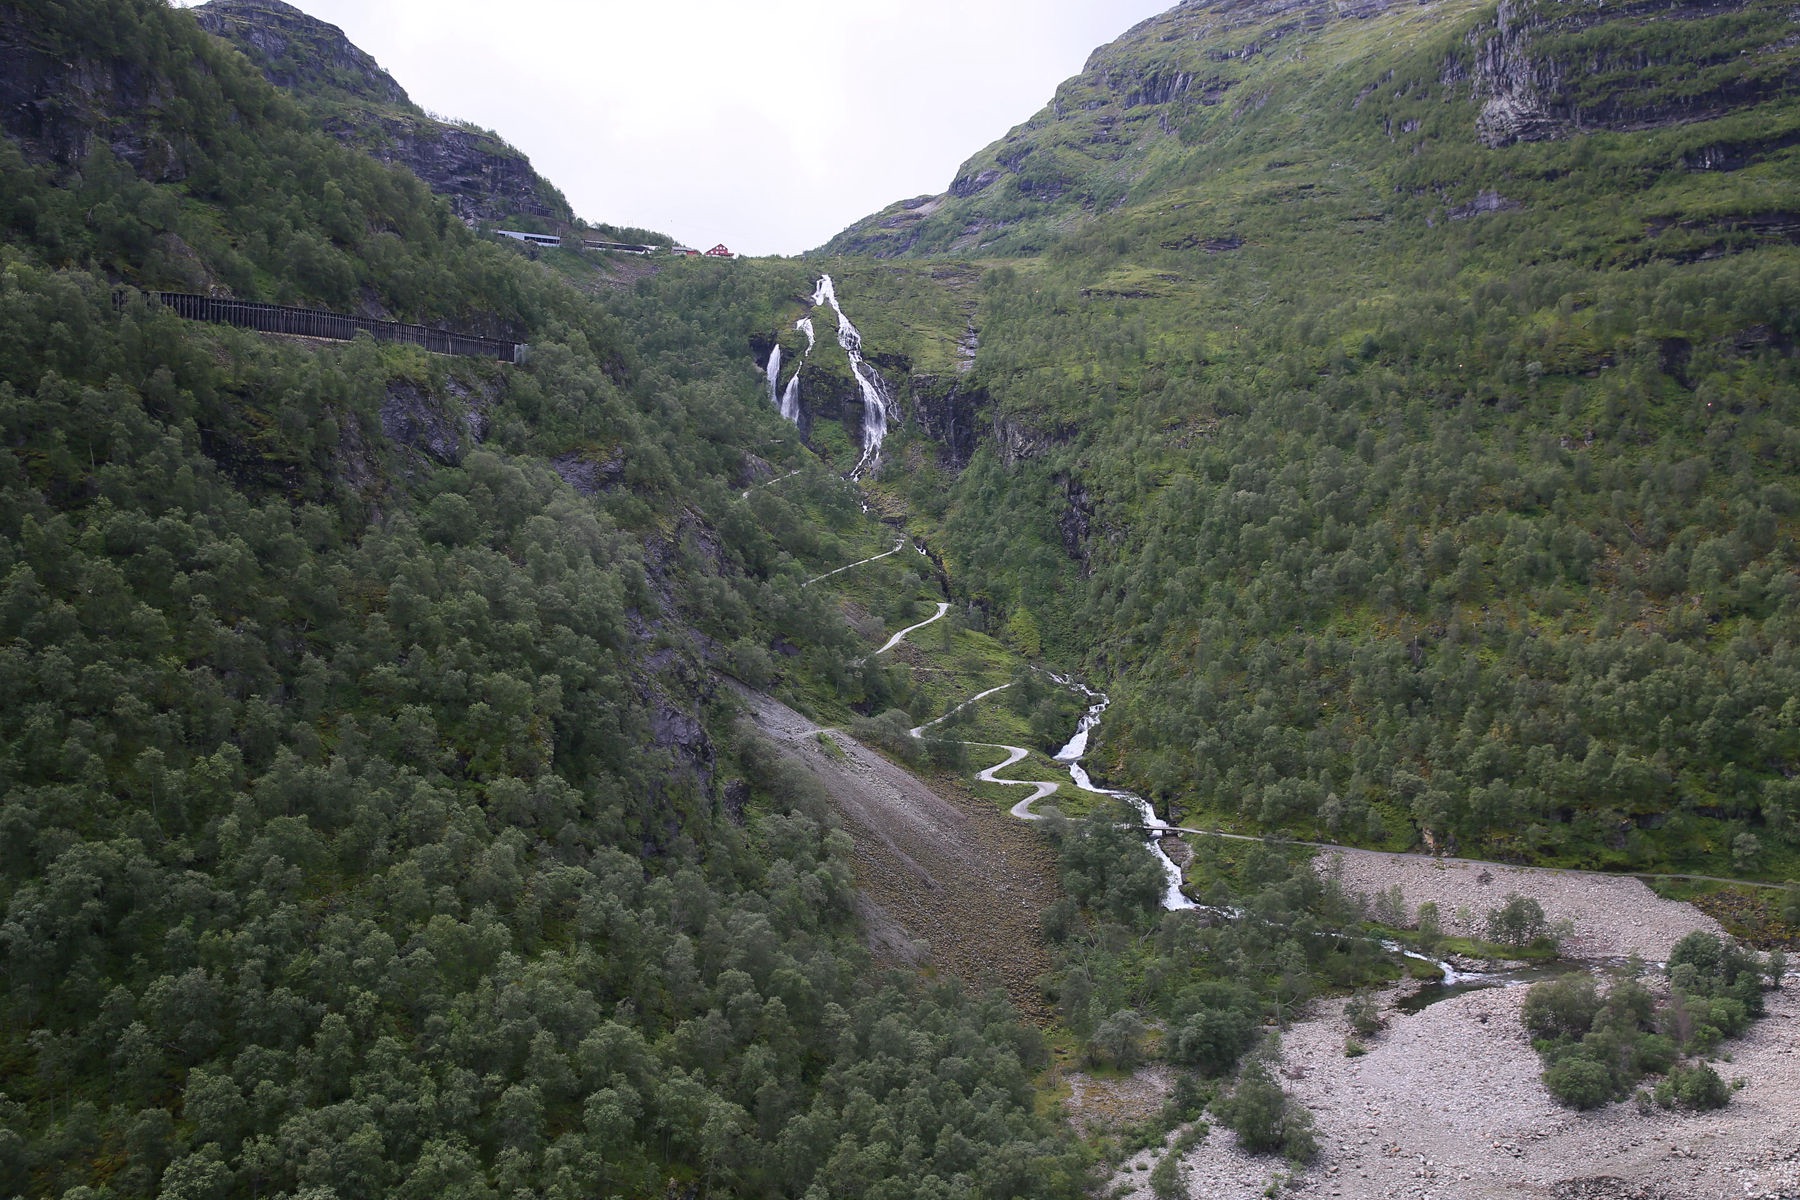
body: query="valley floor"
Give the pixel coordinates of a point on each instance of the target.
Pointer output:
(1447, 1103)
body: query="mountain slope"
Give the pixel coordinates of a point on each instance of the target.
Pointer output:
(360, 104)
(1397, 403)
(370, 821)
(1211, 88)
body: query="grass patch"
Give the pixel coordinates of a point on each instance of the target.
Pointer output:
(1760, 917)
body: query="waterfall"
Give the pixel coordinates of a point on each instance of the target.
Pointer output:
(788, 399)
(875, 403)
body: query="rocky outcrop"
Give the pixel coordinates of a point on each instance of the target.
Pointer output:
(361, 105)
(298, 53)
(678, 731)
(1510, 86)
(1016, 441)
(969, 185)
(947, 413)
(1485, 201)
(60, 108)
(483, 178)
(414, 418)
(1077, 519)
(587, 476)
(1737, 154)
(1541, 72)
(1221, 244)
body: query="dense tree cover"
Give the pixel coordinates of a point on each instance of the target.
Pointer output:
(344, 855)
(223, 182)
(1482, 534)
(371, 823)
(1210, 981)
(1414, 484)
(363, 791)
(1366, 593)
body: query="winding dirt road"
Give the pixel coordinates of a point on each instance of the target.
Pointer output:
(898, 546)
(943, 607)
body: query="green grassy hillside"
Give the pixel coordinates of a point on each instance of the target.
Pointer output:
(1224, 113)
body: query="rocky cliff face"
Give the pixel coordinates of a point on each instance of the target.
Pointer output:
(298, 53)
(1545, 70)
(483, 178)
(361, 105)
(59, 107)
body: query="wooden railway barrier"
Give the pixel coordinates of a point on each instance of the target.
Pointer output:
(321, 323)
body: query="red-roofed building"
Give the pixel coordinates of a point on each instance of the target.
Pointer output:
(720, 251)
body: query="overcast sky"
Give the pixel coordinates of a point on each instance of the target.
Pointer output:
(768, 125)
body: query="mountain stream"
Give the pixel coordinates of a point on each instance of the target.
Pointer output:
(1070, 756)
(1453, 979)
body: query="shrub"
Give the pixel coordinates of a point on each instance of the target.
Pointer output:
(1431, 928)
(1259, 1113)
(1118, 1040)
(1060, 920)
(1168, 1180)
(1702, 965)
(1214, 1039)
(889, 731)
(1186, 1101)
(1579, 1082)
(1561, 1009)
(1653, 1054)
(1517, 923)
(1697, 1087)
(1364, 1017)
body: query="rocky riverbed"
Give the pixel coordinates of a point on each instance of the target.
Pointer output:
(1612, 916)
(1447, 1103)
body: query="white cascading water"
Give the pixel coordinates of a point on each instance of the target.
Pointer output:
(875, 403)
(1070, 756)
(789, 398)
(773, 371)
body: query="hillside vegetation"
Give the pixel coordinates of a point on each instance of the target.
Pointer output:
(370, 819)
(1398, 403)
(347, 94)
